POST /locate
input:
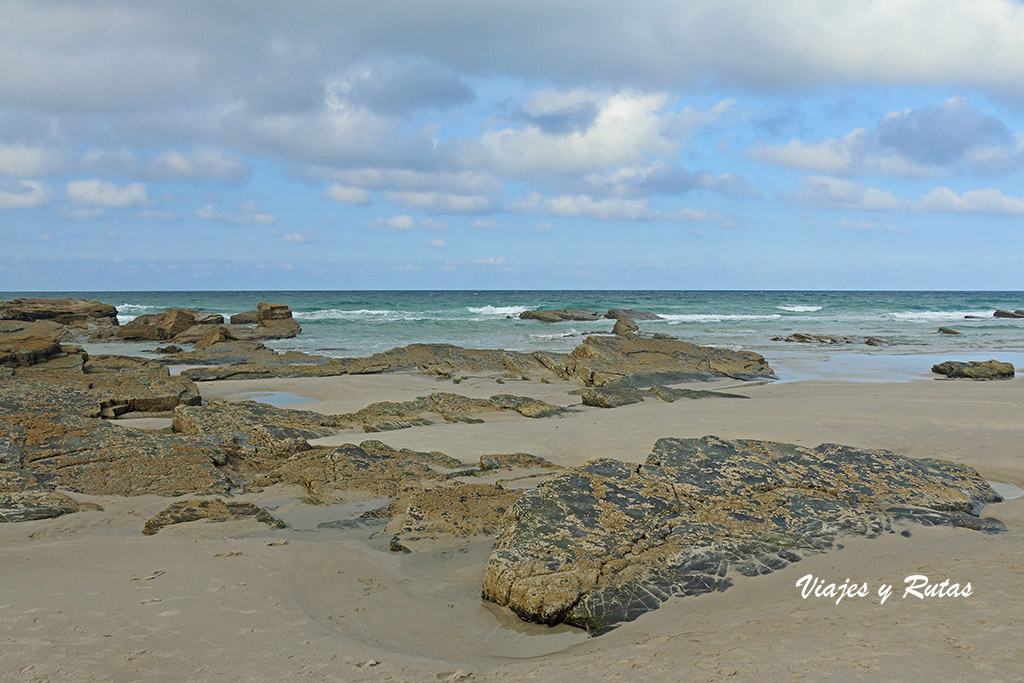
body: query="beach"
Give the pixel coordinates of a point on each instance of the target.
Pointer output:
(87, 597)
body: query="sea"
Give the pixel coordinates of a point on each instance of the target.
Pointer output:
(360, 323)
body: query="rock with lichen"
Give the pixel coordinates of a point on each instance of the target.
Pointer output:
(978, 370)
(600, 544)
(212, 509)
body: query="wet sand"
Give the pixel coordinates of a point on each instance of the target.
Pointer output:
(88, 597)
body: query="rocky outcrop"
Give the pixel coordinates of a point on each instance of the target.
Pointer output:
(77, 313)
(244, 318)
(609, 360)
(615, 397)
(458, 511)
(948, 330)
(213, 509)
(560, 315)
(276, 320)
(30, 343)
(600, 544)
(218, 347)
(630, 314)
(804, 338)
(26, 506)
(625, 327)
(1008, 314)
(94, 457)
(980, 370)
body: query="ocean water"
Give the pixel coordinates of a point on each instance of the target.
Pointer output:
(358, 323)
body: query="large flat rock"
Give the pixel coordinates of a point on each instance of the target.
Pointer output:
(600, 544)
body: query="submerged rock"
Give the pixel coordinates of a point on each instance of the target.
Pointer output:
(949, 330)
(560, 315)
(981, 370)
(213, 509)
(1008, 314)
(630, 314)
(600, 544)
(804, 338)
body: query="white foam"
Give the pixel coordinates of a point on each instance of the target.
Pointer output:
(799, 309)
(928, 316)
(343, 314)
(675, 319)
(498, 310)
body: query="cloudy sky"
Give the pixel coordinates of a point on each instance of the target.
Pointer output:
(707, 144)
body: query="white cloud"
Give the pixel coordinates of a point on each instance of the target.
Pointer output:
(856, 153)
(24, 194)
(484, 223)
(83, 213)
(399, 222)
(490, 261)
(249, 213)
(96, 192)
(582, 205)
(438, 202)
(295, 238)
(348, 195)
(987, 201)
(29, 161)
(437, 243)
(431, 224)
(193, 165)
(835, 193)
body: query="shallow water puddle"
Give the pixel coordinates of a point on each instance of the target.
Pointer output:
(278, 399)
(1007, 491)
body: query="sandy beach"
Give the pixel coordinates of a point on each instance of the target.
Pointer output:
(88, 597)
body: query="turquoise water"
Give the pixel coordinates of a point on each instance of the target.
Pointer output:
(357, 323)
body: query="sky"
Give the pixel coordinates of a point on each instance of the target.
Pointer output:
(459, 144)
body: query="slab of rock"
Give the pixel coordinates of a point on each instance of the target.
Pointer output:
(560, 315)
(630, 314)
(220, 346)
(980, 370)
(949, 330)
(276, 320)
(26, 506)
(600, 544)
(77, 313)
(625, 327)
(458, 511)
(804, 338)
(615, 397)
(94, 386)
(1008, 314)
(94, 457)
(244, 318)
(213, 509)
(609, 360)
(30, 343)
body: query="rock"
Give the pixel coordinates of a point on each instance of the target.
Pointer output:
(624, 327)
(630, 314)
(166, 325)
(94, 457)
(96, 386)
(371, 466)
(170, 348)
(244, 318)
(596, 545)
(1008, 314)
(26, 506)
(875, 341)
(247, 357)
(458, 511)
(560, 315)
(804, 338)
(608, 360)
(612, 397)
(948, 330)
(386, 415)
(77, 313)
(981, 370)
(510, 461)
(215, 335)
(213, 509)
(615, 397)
(24, 344)
(276, 320)
(256, 429)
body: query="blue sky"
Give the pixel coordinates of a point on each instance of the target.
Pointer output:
(721, 144)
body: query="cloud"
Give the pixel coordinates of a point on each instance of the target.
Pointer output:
(83, 213)
(348, 195)
(987, 201)
(835, 193)
(164, 216)
(295, 238)
(24, 194)
(437, 243)
(490, 261)
(249, 213)
(399, 87)
(399, 222)
(194, 165)
(438, 202)
(621, 209)
(660, 177)
(907, 143)
(29, 161)
(431, 224)
(96, 192)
